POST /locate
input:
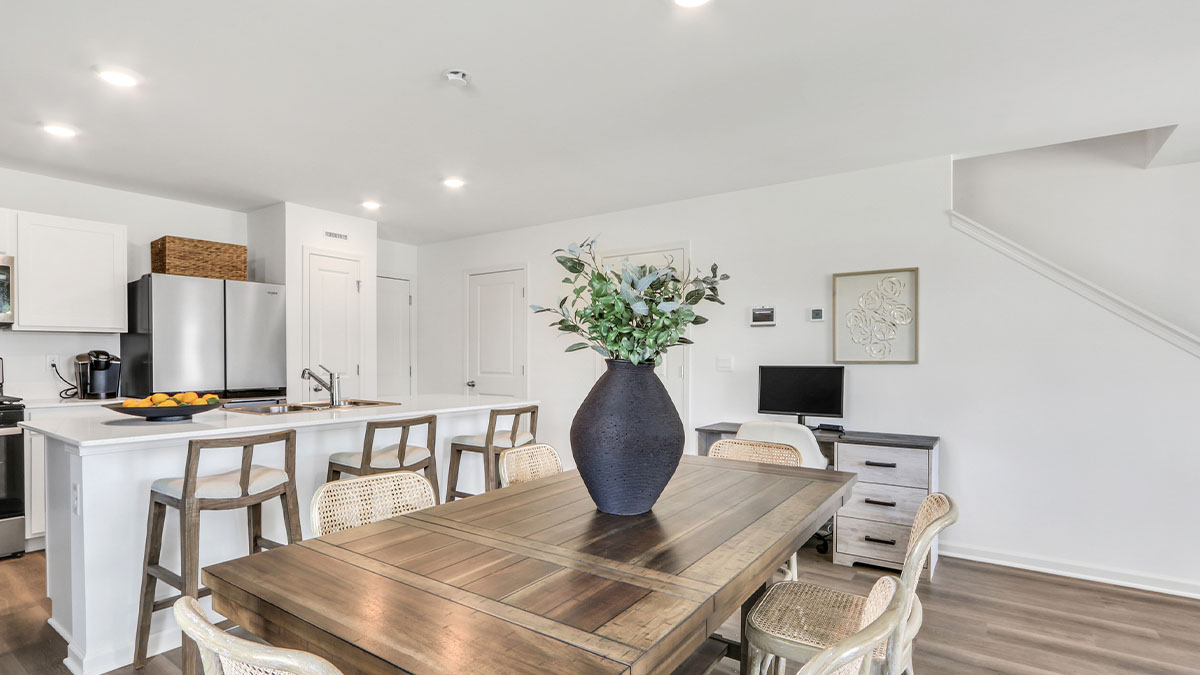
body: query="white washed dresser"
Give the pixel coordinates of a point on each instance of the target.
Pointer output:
(895, 472)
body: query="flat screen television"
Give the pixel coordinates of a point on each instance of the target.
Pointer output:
(814, 391)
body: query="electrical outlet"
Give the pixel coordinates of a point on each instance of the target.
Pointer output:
(75, 498)
(52, 361)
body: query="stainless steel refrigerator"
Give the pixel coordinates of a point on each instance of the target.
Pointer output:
(204, 335)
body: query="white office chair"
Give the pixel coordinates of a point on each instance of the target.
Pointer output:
(798, 436)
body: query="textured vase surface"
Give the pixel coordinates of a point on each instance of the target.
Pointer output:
(627, 439)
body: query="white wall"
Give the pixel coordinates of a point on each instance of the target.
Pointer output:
(1026, 383)
(147, 218)
(301, 229)
(1092, 208)
(397, 260)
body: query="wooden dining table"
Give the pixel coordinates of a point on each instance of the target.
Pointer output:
(533, 579)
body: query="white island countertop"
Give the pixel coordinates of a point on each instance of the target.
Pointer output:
(95, 430)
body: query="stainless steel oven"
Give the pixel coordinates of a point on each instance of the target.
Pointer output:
(6, 289)
(12, 480)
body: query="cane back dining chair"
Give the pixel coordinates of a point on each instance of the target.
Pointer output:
(855, 655)
(489, 444)
(528, 463)
(762, 452)
(402, 456)
(342, 504)
(801, 619)
(225, 654)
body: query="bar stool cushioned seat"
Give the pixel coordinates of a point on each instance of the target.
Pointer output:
(386, 458)
(503, 439)
(224, 485)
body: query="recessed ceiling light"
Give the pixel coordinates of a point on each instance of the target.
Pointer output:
(60, 130)
(691, 3)
(370, 205)
(118, 77)
(454, 183)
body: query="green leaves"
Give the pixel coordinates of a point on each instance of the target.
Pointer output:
(572, 265)
(635, 313)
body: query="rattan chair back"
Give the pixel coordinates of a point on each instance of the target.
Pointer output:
(343, 504)
(762, 452)
(528, 463)
(225, 654)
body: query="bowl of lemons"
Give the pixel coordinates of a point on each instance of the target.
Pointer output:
(167, 408)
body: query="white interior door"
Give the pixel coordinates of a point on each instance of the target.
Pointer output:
(394, 323)
(496, 319)
(334, 329)
(673, 369)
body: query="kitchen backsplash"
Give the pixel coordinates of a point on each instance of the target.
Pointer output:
(25, 371)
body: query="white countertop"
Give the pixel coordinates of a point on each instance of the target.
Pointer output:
(60, 403)
(88, 426)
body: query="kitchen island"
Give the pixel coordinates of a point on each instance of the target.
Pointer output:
(99, 467)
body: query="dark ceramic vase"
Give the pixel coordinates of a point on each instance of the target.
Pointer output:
(627, 439)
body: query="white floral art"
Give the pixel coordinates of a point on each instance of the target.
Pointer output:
(875, 316)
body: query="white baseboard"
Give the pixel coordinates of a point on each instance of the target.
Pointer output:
(58, 628)
(1187, 588)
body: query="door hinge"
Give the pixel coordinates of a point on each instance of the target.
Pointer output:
(358, 370)
(410, 301)
(410, 371)
(522, 292)
(358, 285)
(522, 370)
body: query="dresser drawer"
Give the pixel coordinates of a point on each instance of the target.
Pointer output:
(879, 464)
(886, 503)
(871, 539)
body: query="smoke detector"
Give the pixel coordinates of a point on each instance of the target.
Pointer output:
(456, 77)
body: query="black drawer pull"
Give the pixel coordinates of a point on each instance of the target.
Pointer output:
(877, 502)
(882, 465)
(875, 540)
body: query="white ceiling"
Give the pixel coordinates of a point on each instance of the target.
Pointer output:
(576, 107)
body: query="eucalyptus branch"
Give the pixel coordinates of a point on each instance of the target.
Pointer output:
(636, 313)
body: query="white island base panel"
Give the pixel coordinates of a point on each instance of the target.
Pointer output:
(99, 468)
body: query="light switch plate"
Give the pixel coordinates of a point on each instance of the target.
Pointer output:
(816, 314)
(725, 364)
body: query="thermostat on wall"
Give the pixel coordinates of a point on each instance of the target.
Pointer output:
(762, 316)
(816, 314)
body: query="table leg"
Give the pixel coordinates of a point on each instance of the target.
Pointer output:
(746, 607)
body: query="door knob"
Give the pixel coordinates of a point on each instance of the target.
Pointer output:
(470, 383)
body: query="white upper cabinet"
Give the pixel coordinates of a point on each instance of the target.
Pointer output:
(70, 275)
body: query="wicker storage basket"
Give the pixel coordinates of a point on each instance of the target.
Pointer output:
(198, 258)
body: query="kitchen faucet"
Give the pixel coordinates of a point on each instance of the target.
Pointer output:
(333, 386)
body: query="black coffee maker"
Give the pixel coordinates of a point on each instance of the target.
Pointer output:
(97, 374)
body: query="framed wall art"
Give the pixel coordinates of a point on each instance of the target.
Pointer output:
(875, 316)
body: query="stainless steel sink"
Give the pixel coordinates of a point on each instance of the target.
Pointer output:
(314, 406)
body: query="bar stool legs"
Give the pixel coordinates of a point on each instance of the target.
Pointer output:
(489, 445)
(192, 494)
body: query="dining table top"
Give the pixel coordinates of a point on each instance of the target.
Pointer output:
(532, 578)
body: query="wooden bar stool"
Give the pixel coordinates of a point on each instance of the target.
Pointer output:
(489, 445)
(400, 457)
(247, 487)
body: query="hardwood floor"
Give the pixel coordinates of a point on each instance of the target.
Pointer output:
(978, 619)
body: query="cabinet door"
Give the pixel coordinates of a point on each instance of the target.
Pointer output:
(70, 274)
(35, 485)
